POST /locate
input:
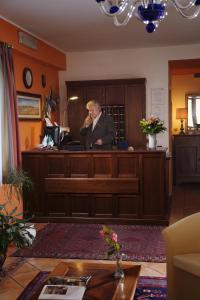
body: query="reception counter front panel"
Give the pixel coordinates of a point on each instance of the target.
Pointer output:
(115, 186)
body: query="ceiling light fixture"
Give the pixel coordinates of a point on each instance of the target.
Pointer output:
(150, 12)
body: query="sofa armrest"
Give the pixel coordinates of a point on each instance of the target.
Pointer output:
(188, 262)
(183, 236)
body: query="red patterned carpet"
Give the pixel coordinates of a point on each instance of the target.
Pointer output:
(139, 242)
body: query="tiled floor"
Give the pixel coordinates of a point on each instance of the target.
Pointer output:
(20, 271)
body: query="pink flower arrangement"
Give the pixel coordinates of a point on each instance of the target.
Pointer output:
(152, 125)
(110, 238)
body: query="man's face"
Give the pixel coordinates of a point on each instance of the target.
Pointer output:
(94, 111)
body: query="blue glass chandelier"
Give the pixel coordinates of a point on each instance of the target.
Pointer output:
(150, 12)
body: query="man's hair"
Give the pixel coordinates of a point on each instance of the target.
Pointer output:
(93, 103)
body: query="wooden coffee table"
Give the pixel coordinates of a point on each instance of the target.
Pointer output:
(102, 285)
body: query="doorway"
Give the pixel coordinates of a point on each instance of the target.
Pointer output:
(182, 81)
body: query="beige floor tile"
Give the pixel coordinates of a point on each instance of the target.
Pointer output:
(13, 263)
(10, 260)
(161, 268)
(24, 274)
(151, 270)
(9, 289)
(44, 264)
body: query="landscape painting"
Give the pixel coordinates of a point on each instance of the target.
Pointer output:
(29, 106)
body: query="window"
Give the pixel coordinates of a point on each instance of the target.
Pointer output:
(193, 103)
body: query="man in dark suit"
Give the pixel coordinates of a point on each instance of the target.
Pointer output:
(98, 128)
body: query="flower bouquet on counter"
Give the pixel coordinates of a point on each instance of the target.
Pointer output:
(152, 125)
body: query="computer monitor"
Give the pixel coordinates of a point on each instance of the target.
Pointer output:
(54, 132)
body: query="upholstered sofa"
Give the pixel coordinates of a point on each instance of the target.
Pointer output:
(183, 258)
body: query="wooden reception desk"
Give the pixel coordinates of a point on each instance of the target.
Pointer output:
(97, 187)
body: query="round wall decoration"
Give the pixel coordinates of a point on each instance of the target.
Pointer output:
(27, 78)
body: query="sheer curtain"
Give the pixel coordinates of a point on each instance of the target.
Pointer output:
(9, 131)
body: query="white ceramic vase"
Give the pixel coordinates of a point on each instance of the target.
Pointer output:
(152, 141)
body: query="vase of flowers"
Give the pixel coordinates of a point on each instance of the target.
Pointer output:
(152, 141)
(110, 238)
(151, 127)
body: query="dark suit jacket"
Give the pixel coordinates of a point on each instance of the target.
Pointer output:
(104, 129)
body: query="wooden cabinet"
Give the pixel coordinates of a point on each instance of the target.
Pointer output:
(97, 92)
(129, 93)
(115, 94)
(113, 186)
(76, 111)
(134, 111)
(186, 158)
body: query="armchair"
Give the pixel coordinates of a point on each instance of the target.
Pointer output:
(183, 258)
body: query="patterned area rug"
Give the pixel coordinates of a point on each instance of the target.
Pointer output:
(139, 242)
(149, 288)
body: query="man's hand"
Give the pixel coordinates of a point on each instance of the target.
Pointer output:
(99, 142)
(88, 121)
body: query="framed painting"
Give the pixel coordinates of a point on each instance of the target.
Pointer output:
(29, 106)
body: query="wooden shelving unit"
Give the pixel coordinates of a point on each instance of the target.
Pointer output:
(117, 112)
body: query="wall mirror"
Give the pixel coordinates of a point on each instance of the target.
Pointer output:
(193, 106)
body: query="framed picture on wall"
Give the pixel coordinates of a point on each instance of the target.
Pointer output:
(29, 106)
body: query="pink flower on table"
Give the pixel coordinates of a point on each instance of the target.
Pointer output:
(114, 236)
(110, 238)
(102, 233)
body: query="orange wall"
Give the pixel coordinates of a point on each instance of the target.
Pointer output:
(30, 131)
(46, 60)
(45, 53)
(11, 202)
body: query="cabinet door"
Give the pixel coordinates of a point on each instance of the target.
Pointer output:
(187, 158)
(128, 206)
(55, 166)
(135, 108)
(153, 205)
(34, 199)
(95, 93)
(115, 95)
(76, 110)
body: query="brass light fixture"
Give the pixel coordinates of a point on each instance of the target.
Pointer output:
(181, 114)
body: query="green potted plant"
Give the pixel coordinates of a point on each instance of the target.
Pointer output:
(15, 182)
(13, 228)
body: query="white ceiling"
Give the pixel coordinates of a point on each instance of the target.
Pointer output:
(78, 25)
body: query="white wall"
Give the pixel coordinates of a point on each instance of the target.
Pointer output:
(149, 63)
